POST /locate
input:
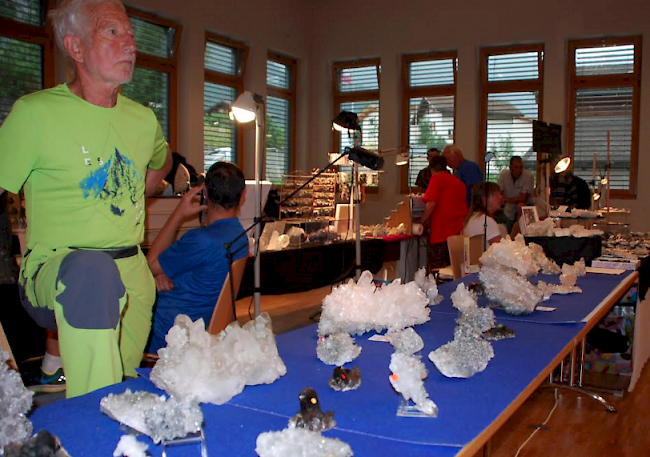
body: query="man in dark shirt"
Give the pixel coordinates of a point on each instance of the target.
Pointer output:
(424, 176)
(570, 190)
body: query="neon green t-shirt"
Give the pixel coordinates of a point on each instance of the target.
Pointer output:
(83, 168)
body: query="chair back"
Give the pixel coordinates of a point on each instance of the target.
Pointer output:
(456, 246)
(223, 313)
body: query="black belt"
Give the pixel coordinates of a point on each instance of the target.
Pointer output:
(117, 253)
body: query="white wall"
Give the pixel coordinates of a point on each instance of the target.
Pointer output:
(319, 32)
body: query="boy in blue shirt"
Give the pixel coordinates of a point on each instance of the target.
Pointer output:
(190, 272)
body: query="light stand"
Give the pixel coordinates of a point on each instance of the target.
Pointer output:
(488, 157)
(247, 108)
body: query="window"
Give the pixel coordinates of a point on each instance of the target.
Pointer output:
(154, 77)
(356, 89)
(280, 115)
(224, 63)
(604, 86)
(26, 51)
(511, 98)
(428, 107)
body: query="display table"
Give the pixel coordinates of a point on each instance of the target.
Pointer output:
(470, 410)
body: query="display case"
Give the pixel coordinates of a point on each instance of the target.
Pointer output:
(316, 200)
(281, 235)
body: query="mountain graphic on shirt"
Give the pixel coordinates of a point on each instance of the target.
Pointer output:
(114, 183)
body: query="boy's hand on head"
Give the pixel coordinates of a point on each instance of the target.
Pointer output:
(190, 203)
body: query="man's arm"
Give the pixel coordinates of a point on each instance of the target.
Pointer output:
(186, 208)
(155, 176)
(428, 209)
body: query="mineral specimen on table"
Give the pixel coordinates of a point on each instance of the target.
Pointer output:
(540, 228)
(215, 368)
(428, 285)
(356, 308)
(15, 403)
(407, 378)
(550, 289)
(298, 442)
(129, 446)
(344, 379)
(310, 415)
(337, 349)
(154, 415)
(468, 353)
(406, 341)
(500, 332)
(503, 287)
(43, 444)
(526, 259)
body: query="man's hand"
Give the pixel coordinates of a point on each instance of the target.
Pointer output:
(163, 283)
(190, 203)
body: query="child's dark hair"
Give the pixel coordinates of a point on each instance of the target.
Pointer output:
(225, 184)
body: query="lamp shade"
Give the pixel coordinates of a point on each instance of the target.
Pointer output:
(346, 121)
(402, 158)
(244, 109)
(563, 164)
(366, 158)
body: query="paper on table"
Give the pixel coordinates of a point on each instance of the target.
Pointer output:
(606, 271)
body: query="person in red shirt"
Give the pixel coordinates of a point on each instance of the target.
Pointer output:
(445, 210)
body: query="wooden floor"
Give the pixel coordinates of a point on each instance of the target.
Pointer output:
(579, 427)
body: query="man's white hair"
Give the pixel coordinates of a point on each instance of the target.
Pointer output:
(70, 18)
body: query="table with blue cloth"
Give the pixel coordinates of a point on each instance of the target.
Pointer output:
(470, 410)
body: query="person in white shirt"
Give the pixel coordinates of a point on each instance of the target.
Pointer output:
(516, 184)
(486, 201)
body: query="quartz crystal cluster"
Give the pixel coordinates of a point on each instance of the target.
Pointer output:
(344, 379)
(407, 378)
(428, 285)
(468, 353)
(337, 349)
(298, 442)
(504, 287)
(129, 446)
(568, 278)
(528, 260)
(310, 416)
(154, 415)
(405, 341)
(15, 403)
(356, 308)
(215, 368)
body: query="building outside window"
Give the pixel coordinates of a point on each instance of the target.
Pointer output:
(224, 64)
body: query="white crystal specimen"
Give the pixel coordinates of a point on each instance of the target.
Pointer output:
(503, 287)
(540, 228)
(129, 446)
(405, 341)
(545, 264)
(215, 368)
(550, 289)
(428, 285)
(528, 260)
(468, 353)
(408, 379)
(580, 232)
(299, 442)
(356, 308)
(337, 349)
(154, 415)
(15, 403)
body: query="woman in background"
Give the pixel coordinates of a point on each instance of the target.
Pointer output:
(486, 201)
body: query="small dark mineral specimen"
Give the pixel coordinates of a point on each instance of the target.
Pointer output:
(345, 379)
(310, 415)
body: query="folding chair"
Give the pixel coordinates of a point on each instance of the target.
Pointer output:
(223, 313)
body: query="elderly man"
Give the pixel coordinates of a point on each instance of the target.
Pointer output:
(85, 155)
(466, 170)
(424, 176)
(516, 185)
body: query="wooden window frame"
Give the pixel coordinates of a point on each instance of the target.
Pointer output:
(602, 81)
(169, 66)
(409, 92)
(492, 87)
(234, 81)
(42, 36)
(289, 94)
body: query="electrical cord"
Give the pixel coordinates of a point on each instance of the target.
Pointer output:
(539, 426)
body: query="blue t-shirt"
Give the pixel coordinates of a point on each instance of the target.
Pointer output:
(470, 174)
(197, 263)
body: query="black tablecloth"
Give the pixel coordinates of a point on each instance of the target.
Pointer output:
(311, 267)
(569, 249)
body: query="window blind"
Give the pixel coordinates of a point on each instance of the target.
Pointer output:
(278, 75)
(431, 112)
(21, 71)
(153, 39)
(30, 12)
(222, 58)
(278, 127)
(513, 67)
(357, 79)
(219, 133)
(151, 88)
(605, 60)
